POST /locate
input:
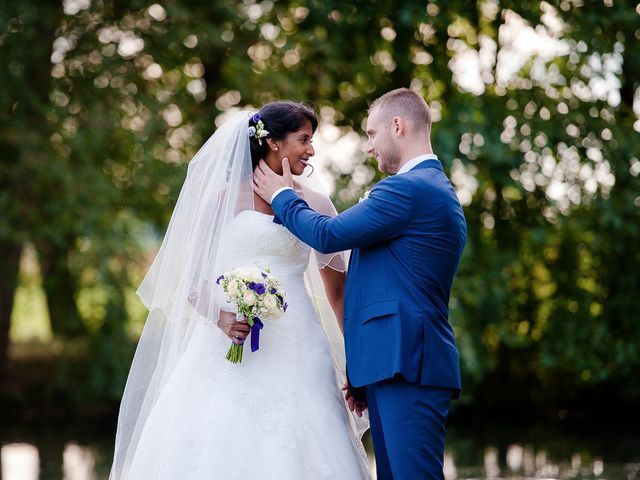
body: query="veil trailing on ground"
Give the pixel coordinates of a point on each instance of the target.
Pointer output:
(179, 289)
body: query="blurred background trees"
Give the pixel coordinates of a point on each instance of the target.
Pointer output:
(536, 108)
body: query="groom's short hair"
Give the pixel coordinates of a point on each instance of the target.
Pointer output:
(404, 102)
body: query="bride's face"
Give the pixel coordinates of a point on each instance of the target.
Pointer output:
(297, 147)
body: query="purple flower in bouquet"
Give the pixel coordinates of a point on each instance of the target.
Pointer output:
(259, 288)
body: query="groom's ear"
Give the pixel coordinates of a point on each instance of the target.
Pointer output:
(398, 126)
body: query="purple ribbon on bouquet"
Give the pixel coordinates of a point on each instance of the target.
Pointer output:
(255, 333)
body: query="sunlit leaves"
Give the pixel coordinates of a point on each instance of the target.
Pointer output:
(535, 108)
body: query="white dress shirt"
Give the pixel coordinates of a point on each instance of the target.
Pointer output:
(415, 161)
(281, 189)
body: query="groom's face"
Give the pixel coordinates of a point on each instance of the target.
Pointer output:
(381, 143)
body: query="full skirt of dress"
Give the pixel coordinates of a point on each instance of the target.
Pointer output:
(277, 415)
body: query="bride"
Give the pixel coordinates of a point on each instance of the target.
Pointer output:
(189, 413)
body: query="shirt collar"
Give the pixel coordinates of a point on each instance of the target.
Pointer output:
(415, 161)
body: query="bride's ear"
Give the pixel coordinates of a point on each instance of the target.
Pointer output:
(273, 146)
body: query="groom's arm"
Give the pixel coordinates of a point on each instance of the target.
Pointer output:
(382, 216)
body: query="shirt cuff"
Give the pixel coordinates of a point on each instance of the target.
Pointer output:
(275, 194)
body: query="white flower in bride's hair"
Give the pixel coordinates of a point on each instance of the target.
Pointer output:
(258, 131)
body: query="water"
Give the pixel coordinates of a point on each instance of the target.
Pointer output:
(82, 451)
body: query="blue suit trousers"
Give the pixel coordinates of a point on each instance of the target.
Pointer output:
(408, 428)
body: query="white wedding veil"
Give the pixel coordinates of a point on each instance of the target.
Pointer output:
(178, 289)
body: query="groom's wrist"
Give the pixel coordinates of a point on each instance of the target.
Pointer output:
(277, 192)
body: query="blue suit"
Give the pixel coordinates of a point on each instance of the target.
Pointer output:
(406, 239)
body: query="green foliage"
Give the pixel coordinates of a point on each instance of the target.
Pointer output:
(100, 109)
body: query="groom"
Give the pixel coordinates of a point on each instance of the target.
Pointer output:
(406, 239)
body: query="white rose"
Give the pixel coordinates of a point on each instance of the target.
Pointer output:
(276, 314)
(242, 272)
(249, 298)
(270, 302)
(259, 278)
(232, 289)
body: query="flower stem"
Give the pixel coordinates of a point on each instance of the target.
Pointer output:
(234, 355)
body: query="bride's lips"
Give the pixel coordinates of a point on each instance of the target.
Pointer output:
(303, 161)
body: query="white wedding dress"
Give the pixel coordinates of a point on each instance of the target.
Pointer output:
(277, 415)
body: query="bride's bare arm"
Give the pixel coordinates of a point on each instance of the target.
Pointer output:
(332, 267)
(334, 281)
(201, 300)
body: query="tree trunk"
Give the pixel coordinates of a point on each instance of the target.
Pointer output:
(9, 268)
(59, 286)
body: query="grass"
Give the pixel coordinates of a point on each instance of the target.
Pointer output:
(30, 316)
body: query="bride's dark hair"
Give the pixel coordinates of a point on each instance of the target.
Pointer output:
(279, 119)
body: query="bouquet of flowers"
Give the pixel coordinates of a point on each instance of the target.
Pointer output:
(258, 296)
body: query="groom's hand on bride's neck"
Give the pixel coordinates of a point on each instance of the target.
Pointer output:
(266, 182)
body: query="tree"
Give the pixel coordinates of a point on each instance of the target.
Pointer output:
(539, 143)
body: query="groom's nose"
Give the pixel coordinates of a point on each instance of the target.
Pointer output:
(369, 147)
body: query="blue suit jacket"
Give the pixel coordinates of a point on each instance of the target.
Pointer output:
(406, 238)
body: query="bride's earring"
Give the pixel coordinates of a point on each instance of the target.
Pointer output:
(312, 170)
